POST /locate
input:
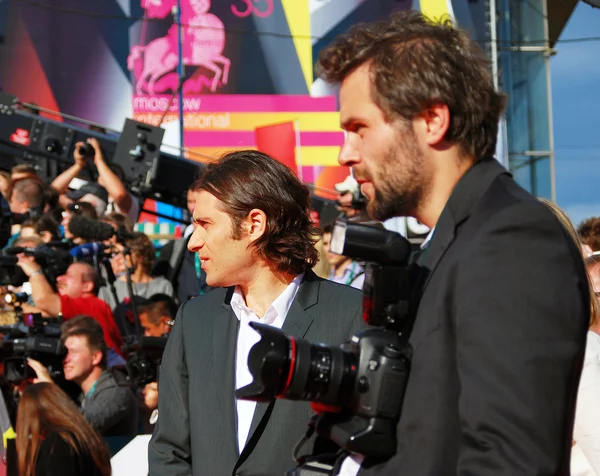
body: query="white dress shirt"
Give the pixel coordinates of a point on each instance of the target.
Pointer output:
(247, 337)
(585, 456)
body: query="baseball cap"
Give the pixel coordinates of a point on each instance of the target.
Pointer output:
(91, 188)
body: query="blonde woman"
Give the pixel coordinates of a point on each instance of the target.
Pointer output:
(585, 455)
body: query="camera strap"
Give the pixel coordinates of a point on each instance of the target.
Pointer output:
(253, 441)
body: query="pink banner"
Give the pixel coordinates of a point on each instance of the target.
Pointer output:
(236, 103)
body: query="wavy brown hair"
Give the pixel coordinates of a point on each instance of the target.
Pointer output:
(416, 63)
(45, 408)
(140, 244)
(249, 179)
(570, 228)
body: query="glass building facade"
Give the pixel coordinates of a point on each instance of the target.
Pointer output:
(523, 52)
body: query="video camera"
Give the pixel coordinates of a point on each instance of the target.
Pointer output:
(52, 262)
(366, 378)
(143, 355)
(33, 336)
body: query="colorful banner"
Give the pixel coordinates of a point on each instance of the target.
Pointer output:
(248, 64)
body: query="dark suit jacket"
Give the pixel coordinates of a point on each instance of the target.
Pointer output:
(498, 339)
(196, 431)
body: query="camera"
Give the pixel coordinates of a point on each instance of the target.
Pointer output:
(366, 377)
(31, 336)
(144, 355)
(52, 262)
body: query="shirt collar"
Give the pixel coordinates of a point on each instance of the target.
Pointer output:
(425, 243)
(280, 307)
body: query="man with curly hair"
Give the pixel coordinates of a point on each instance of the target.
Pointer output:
(255, 240)
(501, 301)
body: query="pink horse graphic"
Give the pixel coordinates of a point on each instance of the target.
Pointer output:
(203, 44)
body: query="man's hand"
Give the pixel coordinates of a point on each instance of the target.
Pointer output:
(28, 265)
(98, 155)
(78, 156)
(40, 371)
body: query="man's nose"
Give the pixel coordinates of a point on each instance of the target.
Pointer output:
(196, 240)
(348, 153)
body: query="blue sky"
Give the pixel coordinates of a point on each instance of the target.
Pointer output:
(576, 103)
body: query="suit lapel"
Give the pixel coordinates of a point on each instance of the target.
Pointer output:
(226, 327)
(296, 324)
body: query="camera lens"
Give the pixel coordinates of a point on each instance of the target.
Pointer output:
(322, 374)
(298, 370)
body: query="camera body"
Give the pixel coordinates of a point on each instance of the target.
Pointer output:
(144, 355)
(365, 378)
(52, 262)
(31, 337)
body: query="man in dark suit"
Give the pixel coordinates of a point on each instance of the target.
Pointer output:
(256, 242)
(499, 331)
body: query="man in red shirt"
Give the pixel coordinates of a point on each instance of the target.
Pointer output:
(77, 290)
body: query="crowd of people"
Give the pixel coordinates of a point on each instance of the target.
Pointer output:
(503, 320)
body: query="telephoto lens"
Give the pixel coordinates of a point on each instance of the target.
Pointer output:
(296, 369)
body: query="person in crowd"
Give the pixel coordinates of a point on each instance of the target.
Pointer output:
(27, 198)
(589, 233)
(85, 209)
(585, 456)
(93, 193)
(116, 204)
(77, 294)
(24, 171)
(343, 269)
(181, 266)
(255, 239)
(5, 184)
(157, 315)
(118, 220)
(500, 301)
(110, 409)
(43, 227)
(53, 438)
(142, 259)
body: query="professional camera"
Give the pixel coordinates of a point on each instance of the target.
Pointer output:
(33, 336)
(52, 262)
(365, 378)
(144, 355)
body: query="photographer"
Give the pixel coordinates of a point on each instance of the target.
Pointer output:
(109, 408)
(27, 199)
(500, 297)
(76, 295)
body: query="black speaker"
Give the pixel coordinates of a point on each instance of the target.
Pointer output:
(173, 179)
(137, 154)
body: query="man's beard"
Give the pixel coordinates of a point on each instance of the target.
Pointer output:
(401, 183)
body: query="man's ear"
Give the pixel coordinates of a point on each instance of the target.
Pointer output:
(255, 224)
(434, 123)
(96, 357)
(88, 286)
(164, 324)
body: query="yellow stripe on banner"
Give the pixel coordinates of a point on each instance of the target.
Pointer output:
(248, 121)
(435, 9)
(298, 18)
(325, 156)
(8, 434)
